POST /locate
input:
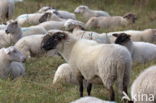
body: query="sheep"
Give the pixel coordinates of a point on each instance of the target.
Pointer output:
(11, 35)
(6, 9)
(110, 22)
(33, 30)
(147, 35)
(88, 99)
(30, 46)
(141, 52)
(34, 18)
(143, 88)
(116, 65)
(52, 25)
(78, 28)
(88, 13)
(17, 69)
(9, 55)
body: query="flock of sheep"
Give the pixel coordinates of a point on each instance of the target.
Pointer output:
(91, 57)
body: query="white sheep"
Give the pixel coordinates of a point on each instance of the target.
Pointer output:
(30, 46)
(88, 13)
(141, 52)
(11, 35)
(143, 88)
(33, 30)
(17, 69)
(78, 28)
(9, 55)
(88, 99)
(147, 35)
(6, 9)
(89, 59)
(110, 22)
(34, 18)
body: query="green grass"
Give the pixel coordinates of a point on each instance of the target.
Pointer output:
(36, 86)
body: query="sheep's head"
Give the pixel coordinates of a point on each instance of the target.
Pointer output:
(122, 38)
(45, 17)
(12, 27)
(12, 54)
(130, 17)
(52, 40)
(81, 9)
(71, 24)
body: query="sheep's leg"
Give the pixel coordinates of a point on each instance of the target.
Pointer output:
(112, 94)
(89, 88)
(81, 86)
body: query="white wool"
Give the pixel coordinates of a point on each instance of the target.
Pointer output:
(144, 84)
(88, 99)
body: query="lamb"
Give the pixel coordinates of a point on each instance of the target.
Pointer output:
(6, 9)
(143, 88)
(88, 13)
(141, 52)
(111, 22)
(33, 19)
(30, 46)
(9, 55)
(96, 64)
(11, 35)
(147, 35)
(78, 28)
(88, 99)
(33, 30)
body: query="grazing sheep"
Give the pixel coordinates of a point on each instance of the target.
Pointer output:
(147, 35)
(110, 22)
(141, 52)
(115, 66)
(11, 35)
(6, 9)
(33, 19)
(17, 69)
(33, 30)
(78, 28)
(9, 55)
(88, 99)
(30, 46)
(143, 88)
(88, 13)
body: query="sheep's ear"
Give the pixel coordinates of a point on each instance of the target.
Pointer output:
(129, 35)
(115, 35)
(60, 35)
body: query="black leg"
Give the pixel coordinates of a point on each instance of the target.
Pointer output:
(81, 86)
(89, 88)
(112, 95)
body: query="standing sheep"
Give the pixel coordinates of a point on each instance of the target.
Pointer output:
(9, 55)
(6, 9)
(143, 88)
(88, 13)
(109, 62)
(141, 52)
(110, 22)
(11, 35)
(90, 100)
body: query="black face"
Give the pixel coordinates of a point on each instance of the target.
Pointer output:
(50, 42)
(121, 38)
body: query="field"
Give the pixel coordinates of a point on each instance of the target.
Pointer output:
(36, 86)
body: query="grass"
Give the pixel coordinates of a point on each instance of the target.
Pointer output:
(36, 86)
